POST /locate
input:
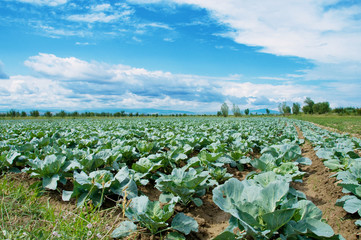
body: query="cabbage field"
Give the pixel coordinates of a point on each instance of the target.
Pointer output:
(195, 178)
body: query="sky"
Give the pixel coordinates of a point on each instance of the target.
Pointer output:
(186, 55)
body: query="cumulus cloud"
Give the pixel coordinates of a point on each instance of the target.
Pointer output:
(314, 30)
(72, 83)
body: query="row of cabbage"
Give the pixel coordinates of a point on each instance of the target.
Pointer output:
(340, 153)
(265, 206)
(183, 159)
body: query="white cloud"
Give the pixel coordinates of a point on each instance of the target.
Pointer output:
(52, 3)
(314, 30)
(274, 78)
(101, 7)
(84, 43)
(155, 25)
(104, 13)
(97, 17)
(75, 84)
(57, 32)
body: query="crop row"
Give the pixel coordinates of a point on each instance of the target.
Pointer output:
(339, 153)
(184, 159)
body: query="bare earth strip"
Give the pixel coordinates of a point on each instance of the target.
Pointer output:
(323, 192)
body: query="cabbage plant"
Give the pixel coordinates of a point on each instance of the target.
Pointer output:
(153, 216)
(99, 183)
(264, 211)
(351, 183)
(187, 185)
(51, 170)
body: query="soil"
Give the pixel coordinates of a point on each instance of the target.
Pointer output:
(322, 190)
(317, 185)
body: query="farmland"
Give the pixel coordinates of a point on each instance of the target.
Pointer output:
(179, 178)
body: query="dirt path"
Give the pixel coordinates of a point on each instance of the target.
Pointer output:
(323, 192)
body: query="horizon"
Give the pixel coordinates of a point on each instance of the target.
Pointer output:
(178, 55)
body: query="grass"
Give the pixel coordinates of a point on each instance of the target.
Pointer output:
(349, 124)
(27, 212)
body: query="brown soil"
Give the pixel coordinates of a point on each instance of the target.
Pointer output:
(211, 219)
(323, 192)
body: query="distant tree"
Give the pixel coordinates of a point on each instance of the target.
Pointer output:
(122, 113)
(284, 109)
(358, 111)
(130, 114)
(267, 111)
(224, 109)
(236, 111)
(11, 113)
(321, 107)
(219, 113)
(34, 113)
(296, 108)
(23, 114)
(246, 111)
(48, 114)
(74, 114)
(308, 108)
(137, 114)
(61, 114)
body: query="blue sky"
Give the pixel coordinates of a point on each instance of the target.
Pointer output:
(188, 55)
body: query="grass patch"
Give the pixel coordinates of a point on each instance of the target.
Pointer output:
(349, 124)
(27, 212)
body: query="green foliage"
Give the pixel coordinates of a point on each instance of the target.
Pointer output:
(224, 110)
(27, 213)
(284, 109)
(186, 185)
(48, 114)
(51, 170)
(296, 108)
(308, 107)
(246, 111)
(154, 217)
(264, 209)
(236, 111)
(321, 108)
(99, 183)
(34, 113)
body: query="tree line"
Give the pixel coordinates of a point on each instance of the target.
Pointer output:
(63, 114)
(310, 107)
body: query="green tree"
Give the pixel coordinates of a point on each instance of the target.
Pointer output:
(284, 109)
(11, 113)
(34, 113)
(246, 111)
(236, 111)
(48, 114)
(321, 107)
(224, 109)
(308, 108)
(267, 111)
(61, 114)
(23, 114)
(296, 108)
